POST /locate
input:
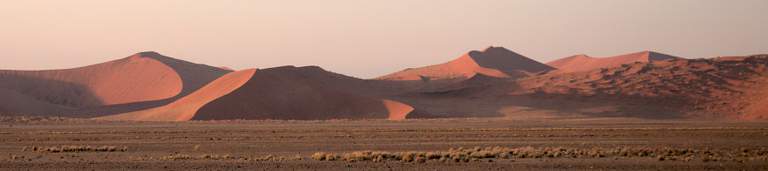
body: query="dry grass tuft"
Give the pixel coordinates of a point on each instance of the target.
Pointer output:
(76, 149)
(178, 156)
(490, 153)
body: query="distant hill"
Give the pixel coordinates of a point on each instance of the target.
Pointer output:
(580, 63)
(493, 61)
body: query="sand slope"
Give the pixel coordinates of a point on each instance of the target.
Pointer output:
(298, 93)
(493, 61)
(13, 103)
(695, 88)
(186, 107)
(146, 76)
(717, 89)
(580, 63)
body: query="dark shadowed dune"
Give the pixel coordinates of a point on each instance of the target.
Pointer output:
(297, 93)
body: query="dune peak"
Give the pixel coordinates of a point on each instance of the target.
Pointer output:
(496, 61)
(149, 54)
(581, 62)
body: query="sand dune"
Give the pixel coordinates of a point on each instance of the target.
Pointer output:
(186, 107)
(297, 93)
(695, 88)
(491, 83)
(146, 76)
(717, 88)
(580, 63)
(493, 61)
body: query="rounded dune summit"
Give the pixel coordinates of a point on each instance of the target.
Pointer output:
(146, 76)
(493, 61)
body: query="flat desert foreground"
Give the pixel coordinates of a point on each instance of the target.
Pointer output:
(419, 144)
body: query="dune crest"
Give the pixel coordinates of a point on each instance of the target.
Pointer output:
(493, 61)
(581, 63)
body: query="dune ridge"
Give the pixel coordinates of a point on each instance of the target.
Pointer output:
(493, 61)
(581, 63)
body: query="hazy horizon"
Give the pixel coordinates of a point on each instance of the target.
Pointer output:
(366, 38)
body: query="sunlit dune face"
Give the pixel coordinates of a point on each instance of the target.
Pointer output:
(397, 110)
(185, 108)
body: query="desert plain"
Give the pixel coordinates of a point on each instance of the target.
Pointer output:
(421, 144)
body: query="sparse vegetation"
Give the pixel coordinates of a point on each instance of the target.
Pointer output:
(488, 153)
(76, 149)
(34, 119)
(572, 144)
(179, 156)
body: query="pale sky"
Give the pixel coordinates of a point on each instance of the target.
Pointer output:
(365, 38)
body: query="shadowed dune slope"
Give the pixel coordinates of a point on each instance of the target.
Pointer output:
(493, 61)
(13, 101)
(580, 63)
(146, 76)
(298, 93)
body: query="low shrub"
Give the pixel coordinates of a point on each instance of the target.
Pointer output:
(76, 149)
(489, 153)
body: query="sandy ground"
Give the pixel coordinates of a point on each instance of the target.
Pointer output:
(248, 145)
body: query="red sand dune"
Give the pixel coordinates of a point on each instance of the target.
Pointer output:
(186, 107)
(151, 87)
(733, 88)
(580, 63)
(145, 76)
(297, 93)
(718, 88)
(493, 61)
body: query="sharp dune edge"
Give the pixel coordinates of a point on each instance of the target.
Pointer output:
(185, 108)
(297, 93)
(494, 82)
